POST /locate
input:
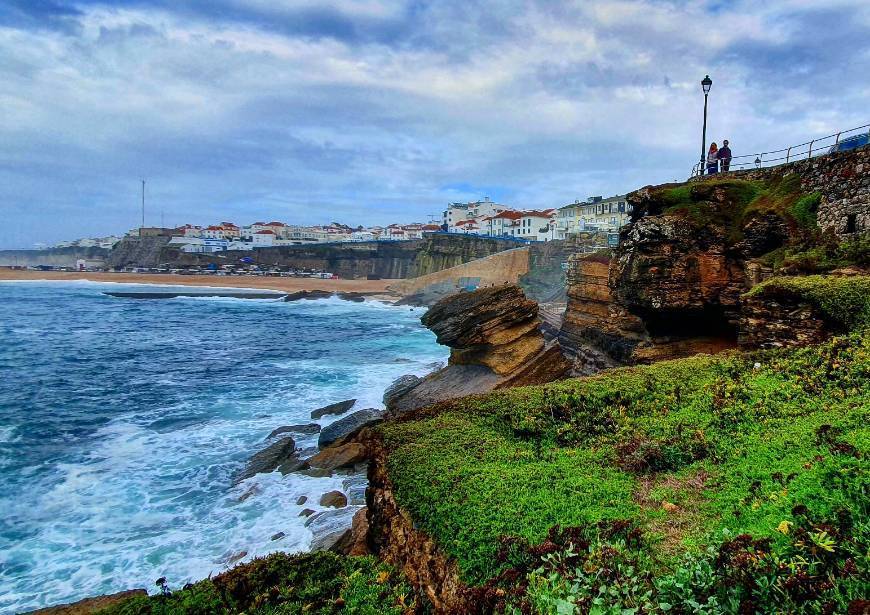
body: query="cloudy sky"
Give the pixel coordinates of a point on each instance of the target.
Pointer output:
(375, 111)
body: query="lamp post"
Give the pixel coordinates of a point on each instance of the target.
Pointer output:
(706, 84)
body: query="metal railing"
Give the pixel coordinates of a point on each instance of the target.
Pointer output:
(803, 151)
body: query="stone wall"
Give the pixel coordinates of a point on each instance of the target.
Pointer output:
(843, 179)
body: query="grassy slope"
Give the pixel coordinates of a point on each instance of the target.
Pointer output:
(501, 464)
(314, 583)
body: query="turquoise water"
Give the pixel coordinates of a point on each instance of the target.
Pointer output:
(123, 422)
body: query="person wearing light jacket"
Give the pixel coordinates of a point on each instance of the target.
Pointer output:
(712, 160)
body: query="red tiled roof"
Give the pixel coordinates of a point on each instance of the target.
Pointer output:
(536, 214)
(265, 232)
(275, 224)
(509, 215)
(214, 228)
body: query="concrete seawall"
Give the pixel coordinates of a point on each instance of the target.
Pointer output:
(501, 268)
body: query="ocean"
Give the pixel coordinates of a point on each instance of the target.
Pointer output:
(123, 423)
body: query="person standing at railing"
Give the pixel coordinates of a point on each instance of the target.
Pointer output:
(724, 156)
(712, 159)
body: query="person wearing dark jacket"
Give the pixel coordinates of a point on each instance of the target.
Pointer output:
(724, 156)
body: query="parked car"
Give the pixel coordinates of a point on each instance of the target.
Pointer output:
(850, 143)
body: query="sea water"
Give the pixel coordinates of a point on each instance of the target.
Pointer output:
(123, 423)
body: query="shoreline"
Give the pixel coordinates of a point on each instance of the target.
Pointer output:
(373, 289)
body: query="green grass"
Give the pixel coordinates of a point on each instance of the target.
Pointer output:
(731, 203)
(842, 300)
(518, 462)
(313, 583)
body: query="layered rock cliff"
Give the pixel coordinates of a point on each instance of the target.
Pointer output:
(495, 342)
(675, 285)
(383, 259)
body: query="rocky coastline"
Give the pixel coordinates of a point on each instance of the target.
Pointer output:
(737, 264)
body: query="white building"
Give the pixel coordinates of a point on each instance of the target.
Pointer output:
(264, 238)
(469, 211)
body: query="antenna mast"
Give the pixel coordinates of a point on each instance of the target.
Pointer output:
(143, 203)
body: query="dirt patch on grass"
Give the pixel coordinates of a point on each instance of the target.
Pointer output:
(679, 500)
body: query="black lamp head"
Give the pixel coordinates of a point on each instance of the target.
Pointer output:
(706, 84)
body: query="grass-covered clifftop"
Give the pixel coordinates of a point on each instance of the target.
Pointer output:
(314, 584)
(774, 218)
(842, 300)
(735, 483)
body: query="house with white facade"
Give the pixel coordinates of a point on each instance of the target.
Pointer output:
(264, 238)
(471, 210)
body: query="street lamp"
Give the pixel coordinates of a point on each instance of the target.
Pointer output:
(706, 84)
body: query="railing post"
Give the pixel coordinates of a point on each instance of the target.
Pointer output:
(810, 154)
(787, 155)
(837, 142)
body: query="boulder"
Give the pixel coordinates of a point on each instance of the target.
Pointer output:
(341, 456)
(345, 428)
(281, 452)
(306, 512)
(294, 464)
(301, 500)
(278, 536)
(337, 408)
(306, 430)
(333, 499)
(352, 296)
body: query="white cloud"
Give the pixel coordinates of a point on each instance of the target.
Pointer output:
(540, 101)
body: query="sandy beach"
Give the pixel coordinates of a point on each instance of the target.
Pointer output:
(374, 288)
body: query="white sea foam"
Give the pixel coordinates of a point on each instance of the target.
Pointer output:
(150, 493)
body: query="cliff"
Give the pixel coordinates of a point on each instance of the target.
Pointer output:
(54, 257)
(637, 479)
(138, 252)
(440, 251)
(383, 259)
(495, 342)
(676, 283)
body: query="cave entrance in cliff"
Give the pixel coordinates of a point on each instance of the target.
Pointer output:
(708, 322)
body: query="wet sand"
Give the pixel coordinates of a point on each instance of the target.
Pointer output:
(373, 288)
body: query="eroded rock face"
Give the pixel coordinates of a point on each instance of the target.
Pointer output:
(668, 263)
(767, 323)
(496, 327)
(392, 535)
(495, 341)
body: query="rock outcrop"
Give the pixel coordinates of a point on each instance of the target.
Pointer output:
(495, 342)
(344, 429)
(336, 408)
(675, 284)
(280, 455)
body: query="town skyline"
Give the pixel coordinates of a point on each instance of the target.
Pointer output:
(384, 108)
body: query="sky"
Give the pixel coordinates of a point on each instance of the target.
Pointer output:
(380, 111)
